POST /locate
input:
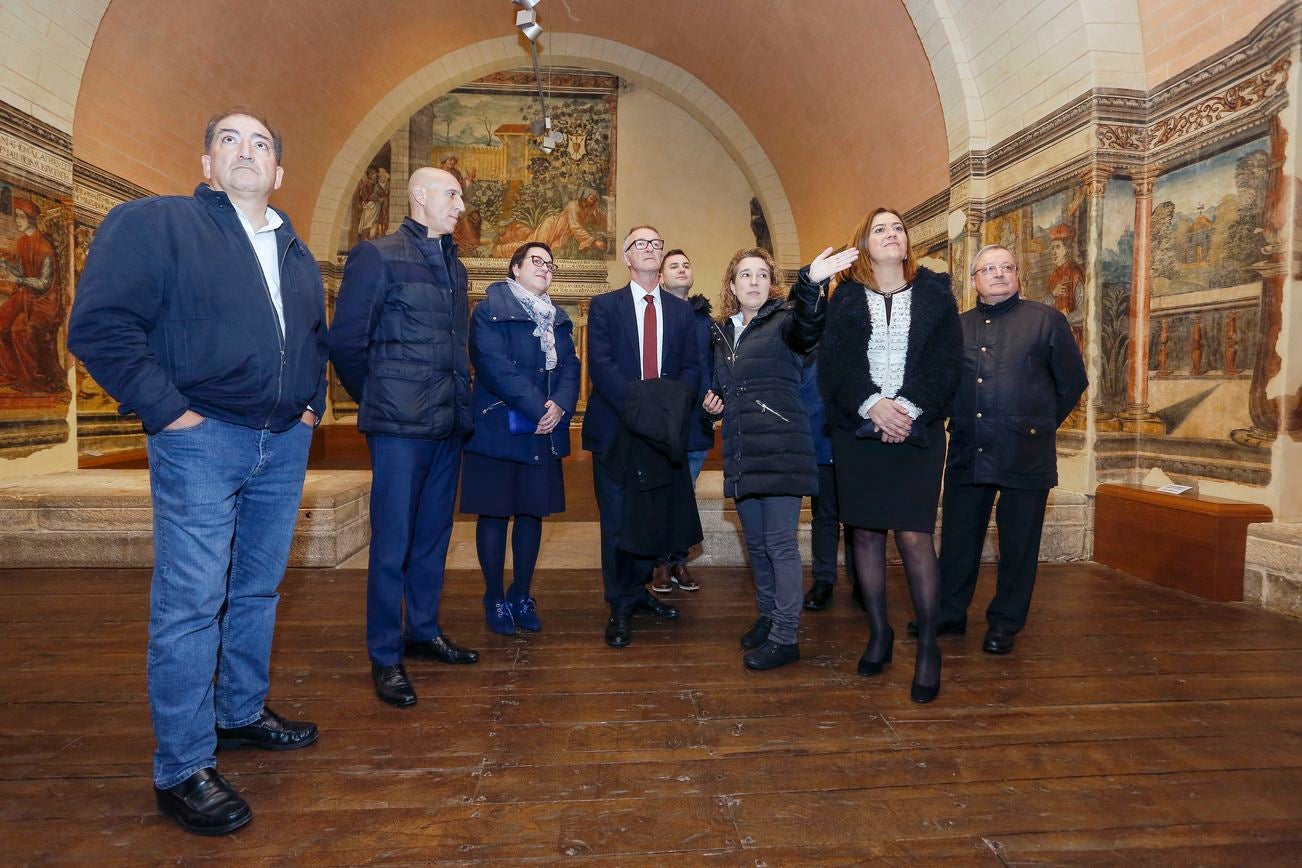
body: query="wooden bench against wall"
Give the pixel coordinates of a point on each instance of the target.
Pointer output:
(1191, 542)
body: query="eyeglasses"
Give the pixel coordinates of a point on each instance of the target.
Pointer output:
(643, 244)
(992, 270)
(539, 262)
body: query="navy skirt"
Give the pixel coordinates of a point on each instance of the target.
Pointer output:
(495, 486)
(889, 486)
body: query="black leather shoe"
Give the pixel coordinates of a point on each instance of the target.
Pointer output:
(440, 648)
(820, 594)
(618, 631)
(771, 655)
(392, 685)
(269, 732)
(998, 641)
(204, 804)
(945, 628)
(757, 634)
(648, 603)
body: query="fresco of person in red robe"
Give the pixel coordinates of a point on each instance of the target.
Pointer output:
(1067, 282)
(33, 312)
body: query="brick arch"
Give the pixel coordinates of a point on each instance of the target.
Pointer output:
(330, 215)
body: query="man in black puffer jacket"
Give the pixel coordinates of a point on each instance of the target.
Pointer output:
(398, 341)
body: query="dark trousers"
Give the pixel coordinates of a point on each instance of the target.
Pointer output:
(622, 573)
(964, 518)
(413, 484)
(825, 529)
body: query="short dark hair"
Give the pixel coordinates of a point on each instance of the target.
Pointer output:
(517, 258)
(677, 251)
(210, 131)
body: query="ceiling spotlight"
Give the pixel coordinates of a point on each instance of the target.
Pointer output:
(527, 21)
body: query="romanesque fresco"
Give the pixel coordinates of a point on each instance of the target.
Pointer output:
(34, 301)
(1049, 238)
(370, 209)
(515, 191)
(1116, 265)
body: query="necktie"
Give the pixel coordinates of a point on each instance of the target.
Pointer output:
(650, 369)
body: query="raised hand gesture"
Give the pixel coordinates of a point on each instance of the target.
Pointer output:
(828, 263)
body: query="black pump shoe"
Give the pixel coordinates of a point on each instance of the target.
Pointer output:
(869, 667)
(758, 632)
(204, 804)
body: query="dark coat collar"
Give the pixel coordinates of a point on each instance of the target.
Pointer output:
(503, 305)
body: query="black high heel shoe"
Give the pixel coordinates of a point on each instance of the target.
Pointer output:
(924, 693)
(869, 667)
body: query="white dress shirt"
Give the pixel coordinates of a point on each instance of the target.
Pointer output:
(264, 245)
(639, 312)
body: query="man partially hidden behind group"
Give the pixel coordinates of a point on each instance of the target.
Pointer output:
(398, 342)
(1022, 377)
(205, 316)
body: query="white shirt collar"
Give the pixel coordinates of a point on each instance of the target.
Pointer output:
(274, 221)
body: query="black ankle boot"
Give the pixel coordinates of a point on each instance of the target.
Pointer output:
(868, 666)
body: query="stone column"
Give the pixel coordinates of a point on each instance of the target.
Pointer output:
(1136, 418)
(1096, 184)
(581, 341)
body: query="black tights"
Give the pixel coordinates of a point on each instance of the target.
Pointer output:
(490, 544)
(923, 570)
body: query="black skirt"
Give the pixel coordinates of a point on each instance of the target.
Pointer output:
(495, 486)
(889, 486)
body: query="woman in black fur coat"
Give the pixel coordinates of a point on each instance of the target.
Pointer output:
(888, 368)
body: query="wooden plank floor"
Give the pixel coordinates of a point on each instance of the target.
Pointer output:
(1132, 725)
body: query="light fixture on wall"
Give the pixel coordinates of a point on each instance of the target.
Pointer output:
(527, 22)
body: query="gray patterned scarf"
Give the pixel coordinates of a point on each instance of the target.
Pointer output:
(543, 313)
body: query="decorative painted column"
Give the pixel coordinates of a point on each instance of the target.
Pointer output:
(1096, 184)
(581, 342)
(1136, 418)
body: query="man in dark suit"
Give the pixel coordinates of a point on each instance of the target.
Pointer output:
(1022, 377)
(635, 332)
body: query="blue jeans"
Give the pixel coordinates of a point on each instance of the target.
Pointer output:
(769, 524)
(225, 501)
(413, 486)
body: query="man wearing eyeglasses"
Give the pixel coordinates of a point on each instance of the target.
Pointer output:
(637, 332)
(1023, 374)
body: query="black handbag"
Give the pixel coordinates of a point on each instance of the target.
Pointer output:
(917, 435)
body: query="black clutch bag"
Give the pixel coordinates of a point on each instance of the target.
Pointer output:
(518, 423)
(917, 435)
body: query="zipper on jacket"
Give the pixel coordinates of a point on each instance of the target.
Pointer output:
(282, 323)
(484, 412)
(767, 409)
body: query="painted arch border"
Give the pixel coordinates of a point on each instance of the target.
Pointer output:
(570, 49)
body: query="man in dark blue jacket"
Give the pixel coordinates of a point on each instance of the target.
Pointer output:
(635, 333)
(205, 316)
(398, 342)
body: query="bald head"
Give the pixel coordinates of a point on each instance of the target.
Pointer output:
(434, 197)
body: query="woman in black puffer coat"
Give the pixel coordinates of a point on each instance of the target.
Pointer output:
(768, 451)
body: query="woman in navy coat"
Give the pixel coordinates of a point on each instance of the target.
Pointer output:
(526, 379)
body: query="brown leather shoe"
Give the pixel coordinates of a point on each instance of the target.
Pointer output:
(682, 577)
(661, 582)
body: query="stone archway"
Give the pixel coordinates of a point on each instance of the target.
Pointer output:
(575, 49)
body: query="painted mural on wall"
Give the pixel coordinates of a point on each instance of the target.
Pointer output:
(1116, 267)
(370, 211)
(515, 191)
(34, 302)
(1207, 233)
(1049, 238)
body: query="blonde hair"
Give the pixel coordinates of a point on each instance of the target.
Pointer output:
(861, 270)
(730, 305)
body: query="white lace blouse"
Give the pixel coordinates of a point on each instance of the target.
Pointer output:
(887, 347)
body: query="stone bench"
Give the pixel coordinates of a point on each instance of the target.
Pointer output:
(102, 518)
(1067, 532)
